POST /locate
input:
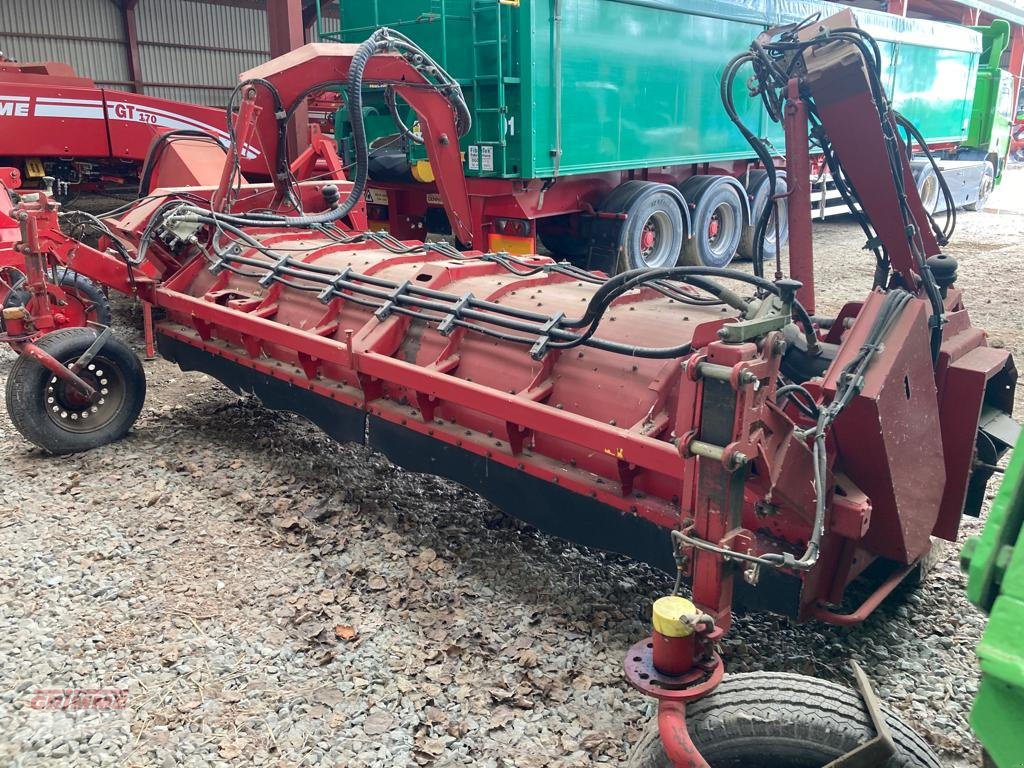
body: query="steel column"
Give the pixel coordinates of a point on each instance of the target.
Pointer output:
(131, 43)
(286, 31)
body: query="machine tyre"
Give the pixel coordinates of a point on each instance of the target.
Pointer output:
(717, 227)
(86, 302)
(757, 189)
(49, 414)
(778, 720)
(988, 180)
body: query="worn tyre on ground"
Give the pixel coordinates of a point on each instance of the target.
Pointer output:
(718, 217)
(777, 720)
(53, 415)
(760, 196)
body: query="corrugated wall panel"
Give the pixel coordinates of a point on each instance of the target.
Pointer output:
(29, 27)
(184, 22)
(183, 68)
(183, 43)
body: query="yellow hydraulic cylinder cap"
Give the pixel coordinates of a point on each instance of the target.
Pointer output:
(422, 171)
(673, 616)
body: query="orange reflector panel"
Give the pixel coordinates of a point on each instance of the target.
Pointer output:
(520, 246)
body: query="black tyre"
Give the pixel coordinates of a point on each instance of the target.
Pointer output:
(557, 235)
(928, 188)
(776, 720)
(717, 226)
(652, 233)
(988, 180)
(54, 416)
(85, 301)
(760, 196)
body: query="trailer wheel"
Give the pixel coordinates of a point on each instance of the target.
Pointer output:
(757, 189)
(717, 226)
(85, 301)
(777, 720)
(640, 225)
(928, 188)
(54, 416)
(984, 189)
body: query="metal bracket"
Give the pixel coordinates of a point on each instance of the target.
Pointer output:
(388, 306)
(877, 751)
(773, 315)
(94, 348)
(327, 293)
(271, 275)
(538, 350)
(446, 326)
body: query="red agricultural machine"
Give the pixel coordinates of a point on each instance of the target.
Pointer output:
(702, 419)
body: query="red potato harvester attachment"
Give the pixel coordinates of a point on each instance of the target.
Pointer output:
(696, 418)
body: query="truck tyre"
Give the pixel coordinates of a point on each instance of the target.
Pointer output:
(988, 179)
(718, 217)
(928, 188)
(777, 720)
(640, 225)
(54, 416)
(760, 196)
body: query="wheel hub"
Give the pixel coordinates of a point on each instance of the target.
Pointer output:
(648, 238)
(75, 412)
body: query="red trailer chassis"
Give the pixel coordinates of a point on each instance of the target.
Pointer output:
(633, 413)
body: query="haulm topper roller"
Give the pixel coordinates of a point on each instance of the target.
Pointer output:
(699, 418)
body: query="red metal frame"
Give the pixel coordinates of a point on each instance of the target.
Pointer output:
(699, 444)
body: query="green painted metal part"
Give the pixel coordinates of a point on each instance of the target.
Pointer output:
(562, 87)
(994, 562)
(993, 104)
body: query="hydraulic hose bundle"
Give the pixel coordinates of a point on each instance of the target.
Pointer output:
(776, 57)
(382, 40)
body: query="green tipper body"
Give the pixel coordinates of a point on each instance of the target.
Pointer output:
(560, 87)
(992, 110)
(995, 566)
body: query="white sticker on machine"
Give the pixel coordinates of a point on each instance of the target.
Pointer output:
(487, 158)
(474, 157)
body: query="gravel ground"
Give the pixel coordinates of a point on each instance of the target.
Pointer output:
(269, 597)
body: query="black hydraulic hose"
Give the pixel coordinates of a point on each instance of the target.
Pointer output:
(725, 92)
(944, 233)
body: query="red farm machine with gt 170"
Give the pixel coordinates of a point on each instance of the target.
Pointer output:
(703, 419)
(64, 133)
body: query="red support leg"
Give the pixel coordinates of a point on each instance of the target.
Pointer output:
(801, 246)
(147, 328)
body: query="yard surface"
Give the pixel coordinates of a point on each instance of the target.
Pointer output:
(269, 597)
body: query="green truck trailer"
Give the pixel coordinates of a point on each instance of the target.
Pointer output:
(598, 127)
